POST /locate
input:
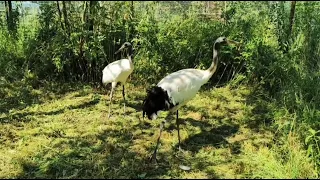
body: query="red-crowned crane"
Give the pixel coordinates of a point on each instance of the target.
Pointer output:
(118, 71)
(177, 88)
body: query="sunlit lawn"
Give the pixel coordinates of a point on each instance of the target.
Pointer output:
(62, 131)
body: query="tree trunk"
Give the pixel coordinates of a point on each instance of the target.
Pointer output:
(60, 16)
(81, 62)
(131, 22)
(91, 23)
(65, 14)
(87, 21)
(292, 11)
(225, 14)
(7, 13)
(84, 16)
(10, 13)
(84, 21)
(91, 14)
(8, 5)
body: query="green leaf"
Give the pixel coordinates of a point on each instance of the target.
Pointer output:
(312, 131)
(307, 139)
(142, 176)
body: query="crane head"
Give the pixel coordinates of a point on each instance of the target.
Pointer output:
(224, 41)
(124, 45)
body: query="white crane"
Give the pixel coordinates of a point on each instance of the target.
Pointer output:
(177, 88)
(118, 71)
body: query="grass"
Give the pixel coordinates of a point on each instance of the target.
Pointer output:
(62, 131)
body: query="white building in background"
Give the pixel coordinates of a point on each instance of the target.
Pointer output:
(24, 6)
(2, 7)
(28, 7)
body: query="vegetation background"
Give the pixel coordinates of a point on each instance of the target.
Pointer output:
(258, 117)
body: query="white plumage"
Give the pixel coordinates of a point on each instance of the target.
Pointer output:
(118, 71)
(183, 85)
(177, 88)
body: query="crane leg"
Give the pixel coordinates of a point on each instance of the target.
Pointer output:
(113, 85)
(154, 155)
(177, 122)
(124, 99)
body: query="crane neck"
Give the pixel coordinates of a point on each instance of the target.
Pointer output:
(213, 67)
(130, 53)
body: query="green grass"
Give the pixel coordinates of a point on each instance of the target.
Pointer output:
(62, 131)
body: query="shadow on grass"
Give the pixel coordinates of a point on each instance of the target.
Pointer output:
(135, 105)
(260, 118)
(136, 101)
(110, 154)
(18, 95)
(85, 158)
(215, 137)
(27, 116)
(22, 99)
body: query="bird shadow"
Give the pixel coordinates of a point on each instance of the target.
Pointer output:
(215, 136)
(211, 135)
(135, 105)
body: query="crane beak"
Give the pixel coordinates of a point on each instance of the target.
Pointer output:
(119, 50)
(233, 42)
